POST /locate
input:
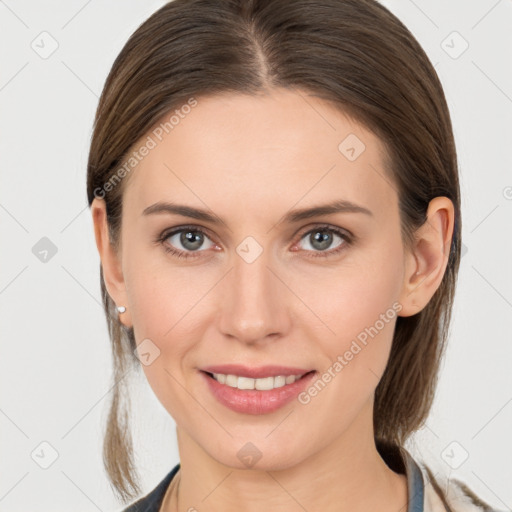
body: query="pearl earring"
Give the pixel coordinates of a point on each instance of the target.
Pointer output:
(121, 309)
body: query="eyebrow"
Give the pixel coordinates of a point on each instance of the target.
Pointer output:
(338, 206)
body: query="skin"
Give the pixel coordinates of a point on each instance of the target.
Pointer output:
(250, 160)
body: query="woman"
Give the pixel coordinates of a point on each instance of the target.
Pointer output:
(276, 205)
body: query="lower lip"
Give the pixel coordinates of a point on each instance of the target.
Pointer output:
(253, 401)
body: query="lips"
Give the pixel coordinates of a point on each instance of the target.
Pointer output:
(255, 372)
(254, 401)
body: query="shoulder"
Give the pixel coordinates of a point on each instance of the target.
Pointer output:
(443, 494)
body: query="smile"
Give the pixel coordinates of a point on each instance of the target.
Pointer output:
(256, 396)
(263, 384)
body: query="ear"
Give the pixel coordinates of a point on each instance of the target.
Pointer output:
(426, 262)
(110, 260)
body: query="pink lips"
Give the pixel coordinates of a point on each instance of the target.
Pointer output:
(256, 372)
(253, 401)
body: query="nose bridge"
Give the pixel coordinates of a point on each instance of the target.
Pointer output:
(254, 306)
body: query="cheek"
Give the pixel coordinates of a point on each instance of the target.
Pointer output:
(162, 295)
(362, 312)
(162, 301)
(361, 307)
(167, 305)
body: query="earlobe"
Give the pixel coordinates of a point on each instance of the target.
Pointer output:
(110, 260)
(426, 263)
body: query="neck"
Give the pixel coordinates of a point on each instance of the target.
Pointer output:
(346, 475)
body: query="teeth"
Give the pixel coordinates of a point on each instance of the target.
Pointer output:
(265, 384)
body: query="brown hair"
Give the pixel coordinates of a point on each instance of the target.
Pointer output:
(352, 53)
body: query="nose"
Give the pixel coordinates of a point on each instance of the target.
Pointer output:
(255, 305)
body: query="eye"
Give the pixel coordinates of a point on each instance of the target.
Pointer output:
(321, 238)
(191, 239)
(186, 241)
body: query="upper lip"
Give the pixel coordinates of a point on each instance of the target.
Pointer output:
(255, 372)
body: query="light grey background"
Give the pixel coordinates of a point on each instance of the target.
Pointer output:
(55, 356)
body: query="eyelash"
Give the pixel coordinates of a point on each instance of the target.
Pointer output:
(348, 240)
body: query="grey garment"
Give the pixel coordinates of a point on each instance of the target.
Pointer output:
(415, 486)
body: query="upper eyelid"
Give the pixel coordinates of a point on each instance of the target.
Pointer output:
(166, 233)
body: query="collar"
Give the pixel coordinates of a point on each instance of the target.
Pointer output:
(415, 483)
(429, 492)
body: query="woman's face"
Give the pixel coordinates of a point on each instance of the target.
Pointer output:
(261, 287)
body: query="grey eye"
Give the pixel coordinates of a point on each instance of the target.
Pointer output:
(190, 239)
(321, 239)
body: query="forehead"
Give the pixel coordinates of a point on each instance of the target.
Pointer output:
(278, 148)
